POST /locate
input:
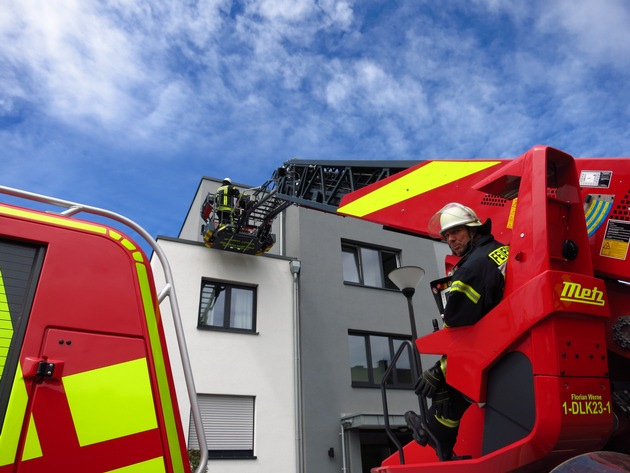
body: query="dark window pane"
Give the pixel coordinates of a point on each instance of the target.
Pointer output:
(381, 356)
(390, 262)
(372, 275)
(212, 305)
(350, 265)
(242, 308)
(403, 364)
(358, 359)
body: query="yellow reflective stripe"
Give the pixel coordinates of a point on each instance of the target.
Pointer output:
(447, 422)
(12, 428)
(510, 222)
(465, 289)
(32, 447)
(223, 202)
(128, 244)
(424, 179)
(111, 402)
(156, 465)
(596, 213)
(160, 370)
(443, 365)
(81, 225)
(6, 326)
(77, 224)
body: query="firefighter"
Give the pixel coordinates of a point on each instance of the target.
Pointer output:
(477, 286)
(225, 201)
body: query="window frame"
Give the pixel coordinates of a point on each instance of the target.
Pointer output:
(394, 383)
(355, 249)
(228, 302)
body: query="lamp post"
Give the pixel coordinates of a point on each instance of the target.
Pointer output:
(407, 278)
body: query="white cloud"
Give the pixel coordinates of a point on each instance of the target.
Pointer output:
(337, 12)
(340, 12)
(73, 62)
(596, 30)
(273, 10)
(365, 86)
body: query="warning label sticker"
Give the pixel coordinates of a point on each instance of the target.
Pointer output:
(616, 239)
(595, 178)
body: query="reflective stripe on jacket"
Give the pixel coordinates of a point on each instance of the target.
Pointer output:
(478, 283)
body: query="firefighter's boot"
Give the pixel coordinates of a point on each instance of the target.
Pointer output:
(421, 435)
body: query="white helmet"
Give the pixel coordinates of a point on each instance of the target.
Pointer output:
(228, 180)
(453, 215)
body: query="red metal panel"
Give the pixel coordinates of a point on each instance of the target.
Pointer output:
(89, 290)
(49, 405)
(608, 178)
(597, 179)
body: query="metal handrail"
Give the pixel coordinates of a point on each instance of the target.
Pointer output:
(416, 368)
(386, 375)
(73, 209)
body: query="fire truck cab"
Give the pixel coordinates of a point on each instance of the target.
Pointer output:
(85, 381)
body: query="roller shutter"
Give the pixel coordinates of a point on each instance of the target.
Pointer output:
(228, 423)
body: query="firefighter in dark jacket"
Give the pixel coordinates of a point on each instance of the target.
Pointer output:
(476, 287)
(225, 201)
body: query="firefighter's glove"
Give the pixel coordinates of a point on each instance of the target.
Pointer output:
(430, 381)
(443, 402)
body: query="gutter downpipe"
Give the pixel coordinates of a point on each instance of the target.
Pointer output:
(344, 468)
(295, 266)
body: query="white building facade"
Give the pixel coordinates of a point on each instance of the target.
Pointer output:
(238, 316)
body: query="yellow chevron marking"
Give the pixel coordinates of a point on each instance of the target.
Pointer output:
(6, 326)
(156, 465)
(12, 429)
(424, 179)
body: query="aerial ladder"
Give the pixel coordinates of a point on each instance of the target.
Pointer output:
(315, 184)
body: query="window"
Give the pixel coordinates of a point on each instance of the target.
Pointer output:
(228, 422)
(20, 266)
(368, 266)
(227, 306)
(371, 355)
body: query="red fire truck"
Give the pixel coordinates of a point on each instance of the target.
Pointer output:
(547, 370)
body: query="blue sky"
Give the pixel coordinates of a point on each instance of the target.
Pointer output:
(126, 104)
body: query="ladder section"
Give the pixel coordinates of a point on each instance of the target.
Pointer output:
(322, 184)
(318, 185)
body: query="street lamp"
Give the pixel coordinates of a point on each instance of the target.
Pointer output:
(407, 279)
